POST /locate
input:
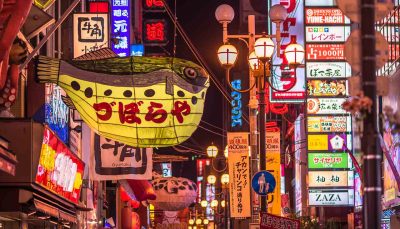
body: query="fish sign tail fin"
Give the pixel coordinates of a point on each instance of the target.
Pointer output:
(47, 69)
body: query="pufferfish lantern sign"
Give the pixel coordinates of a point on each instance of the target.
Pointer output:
(140, 101)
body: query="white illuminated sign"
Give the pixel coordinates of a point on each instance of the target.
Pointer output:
(90, 32)
(337, 197)
(330, 178)
(326, 34)
(320, 2)
(325, 106)
(328, 70)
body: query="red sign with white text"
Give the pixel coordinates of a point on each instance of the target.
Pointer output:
(334, 16)
(59, 170)
(325, 51)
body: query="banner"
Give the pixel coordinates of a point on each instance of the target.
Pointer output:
(113, 160)
(269, 221)
(273, 153)
(239, 173)
(59, 170)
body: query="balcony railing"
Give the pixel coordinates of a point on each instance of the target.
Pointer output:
(389, 27)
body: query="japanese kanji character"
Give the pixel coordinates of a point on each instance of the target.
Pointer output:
(158, 116)
(120, 26)
(155, 31)
(127, 113)
(180, 109)
(104, 110)
(114, 146)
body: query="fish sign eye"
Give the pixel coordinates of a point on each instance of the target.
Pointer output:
(190, 73)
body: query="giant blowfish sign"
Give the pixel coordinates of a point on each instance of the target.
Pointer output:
(139, 101)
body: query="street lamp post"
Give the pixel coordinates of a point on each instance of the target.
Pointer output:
(263, 50)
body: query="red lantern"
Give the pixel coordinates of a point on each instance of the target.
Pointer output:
(135, 221)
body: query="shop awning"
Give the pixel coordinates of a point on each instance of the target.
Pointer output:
(53, 211)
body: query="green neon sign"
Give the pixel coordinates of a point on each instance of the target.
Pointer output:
(328, 161)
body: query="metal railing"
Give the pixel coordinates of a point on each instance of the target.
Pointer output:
(389, 27)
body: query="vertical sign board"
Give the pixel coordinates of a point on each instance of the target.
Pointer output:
(120, 27)
(327, 28)
(56, 112)
(273, 142)
(293, 31)
(90, 32)
(236, 102)
(239, 173)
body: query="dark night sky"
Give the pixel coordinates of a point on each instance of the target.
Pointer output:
(198, 20)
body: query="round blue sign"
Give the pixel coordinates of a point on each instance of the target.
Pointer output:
(263, 183)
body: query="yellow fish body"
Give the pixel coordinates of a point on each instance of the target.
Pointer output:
(139, 101)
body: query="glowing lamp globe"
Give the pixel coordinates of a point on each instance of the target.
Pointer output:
(294, 54)
(212, 151)
(253, 61)
(224, 13)
(191, 221)
(211, 179)
(223, 203)
(204, 203)
(198, 221)
(225, 179)
(264, 48)
(206, 221)
(226, 152)
(214, 203)
(278, 13)
(227, 55)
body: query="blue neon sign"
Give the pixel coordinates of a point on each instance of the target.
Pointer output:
(120, 27)
(236, 114)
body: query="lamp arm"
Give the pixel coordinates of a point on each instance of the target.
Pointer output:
(285, 90)
(228, 79)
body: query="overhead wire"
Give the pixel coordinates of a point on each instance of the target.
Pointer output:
(217, 127)
(199, 57)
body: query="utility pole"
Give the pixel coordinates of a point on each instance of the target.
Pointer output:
(372, 154)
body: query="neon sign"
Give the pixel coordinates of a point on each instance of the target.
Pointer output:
(236, 115)
(120, 27)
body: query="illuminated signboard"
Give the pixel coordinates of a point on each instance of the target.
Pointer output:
(394, 53)
(325, 52)
(236, 112)
(56, 112)
(166, 169)
(137, 50)
(331, 142)
(332, 16)
(327, 33)
(325, 106)
(292, 31)
(328, 70)
(153, 6)
(320, 2)
(327, 88)
(329, 161)
(59, 170)
(99, 7)
(155, 32)
(90, 32)
(334, 197)
(358, 200)
(120, 27)
(393, 31)
(328, 124)
(330, 179)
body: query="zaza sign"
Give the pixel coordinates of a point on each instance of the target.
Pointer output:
(337, 197)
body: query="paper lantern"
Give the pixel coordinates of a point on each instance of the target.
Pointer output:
(173, 193)
(139, 101)
(135, 221)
